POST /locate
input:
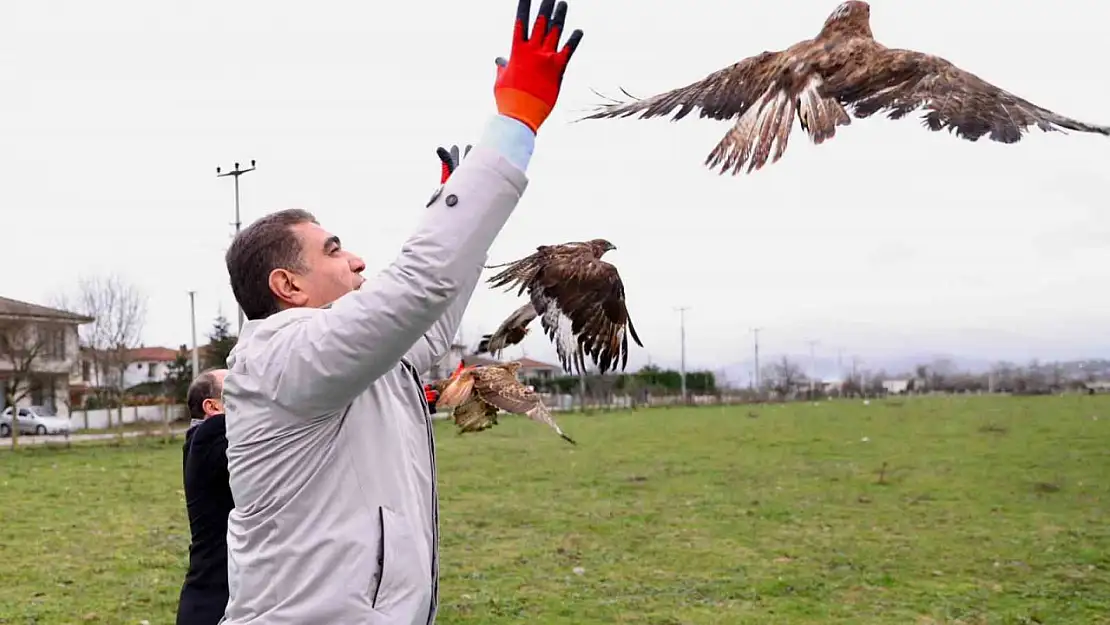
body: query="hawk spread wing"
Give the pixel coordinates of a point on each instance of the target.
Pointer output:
(815, 79)
(511, 331)
(499, 386)
(477, 393)
(900, 81)
(764, 93)
(580, 300)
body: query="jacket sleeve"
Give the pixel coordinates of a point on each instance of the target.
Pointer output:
(435, 343)
(515, 142)
(319, 362)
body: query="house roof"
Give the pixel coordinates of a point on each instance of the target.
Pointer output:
(148, 354)
(525, 363)
(152, 354)
(15, 309)
(528, 363)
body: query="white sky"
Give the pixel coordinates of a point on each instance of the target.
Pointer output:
(115, 115)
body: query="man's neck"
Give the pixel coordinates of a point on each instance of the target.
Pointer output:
(195, 422)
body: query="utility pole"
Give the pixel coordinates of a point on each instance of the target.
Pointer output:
(812, 365)
(193, 318)
(238, 223)
(755, 333)
(682, 330)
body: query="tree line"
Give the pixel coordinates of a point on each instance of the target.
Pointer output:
(787, 377)
(650, 379)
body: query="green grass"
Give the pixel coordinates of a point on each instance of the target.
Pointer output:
(989, 510)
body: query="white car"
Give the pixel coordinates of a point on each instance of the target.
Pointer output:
(37, 420)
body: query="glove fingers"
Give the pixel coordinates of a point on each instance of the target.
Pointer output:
(571, 45)
(444, 156)
(523, 10)
(467, 150)
(455, 155)
(543, 20)
(555, 28)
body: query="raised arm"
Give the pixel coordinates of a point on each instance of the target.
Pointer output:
(321, 359)
(513, 140)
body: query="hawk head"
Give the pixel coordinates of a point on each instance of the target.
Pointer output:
(600, 246)
(851, 18)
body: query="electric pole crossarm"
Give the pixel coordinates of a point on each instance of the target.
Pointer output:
(238, 222)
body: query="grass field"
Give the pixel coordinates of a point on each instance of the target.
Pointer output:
(989, 510)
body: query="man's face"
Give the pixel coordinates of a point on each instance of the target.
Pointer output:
(330, 271)
(215, 406)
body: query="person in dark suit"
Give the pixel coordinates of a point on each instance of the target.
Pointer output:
(208, 501)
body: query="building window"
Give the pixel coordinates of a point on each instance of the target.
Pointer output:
(38, 394)
(52, 341)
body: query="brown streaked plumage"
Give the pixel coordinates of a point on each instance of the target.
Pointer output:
(843, 66)
(511, 331)
(579, 299)
(477, 393)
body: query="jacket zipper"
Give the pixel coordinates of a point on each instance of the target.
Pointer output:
(435, 493)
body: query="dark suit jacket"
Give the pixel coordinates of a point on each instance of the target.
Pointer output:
(208, 501)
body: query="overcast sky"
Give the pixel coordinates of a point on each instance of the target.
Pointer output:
(115, 115)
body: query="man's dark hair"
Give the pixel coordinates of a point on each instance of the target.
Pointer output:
(267, 244)
(204, 387)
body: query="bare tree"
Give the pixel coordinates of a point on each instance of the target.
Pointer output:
(119, 312)
(784, 375)
(1003, 374)
(22, 345)
(939, 373)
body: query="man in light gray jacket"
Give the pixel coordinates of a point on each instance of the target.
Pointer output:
(330, 449)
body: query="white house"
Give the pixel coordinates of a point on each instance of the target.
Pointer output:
(38, 350)
(143, 365)
(896, 387)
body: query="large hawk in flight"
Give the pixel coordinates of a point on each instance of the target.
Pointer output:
(579, 299)
(842, 67)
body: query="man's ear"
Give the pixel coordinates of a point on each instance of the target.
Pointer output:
(284, 286)
(209, 405)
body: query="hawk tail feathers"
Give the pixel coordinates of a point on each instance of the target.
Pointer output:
(762, 133)
(540, 413)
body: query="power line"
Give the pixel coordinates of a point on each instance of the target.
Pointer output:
(238, 223)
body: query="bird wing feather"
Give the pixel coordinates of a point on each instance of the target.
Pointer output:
(500, 388)
(899, 81)
(723, 94)
(457, 390)
(765, 93)
(586, 294)
(511, 331)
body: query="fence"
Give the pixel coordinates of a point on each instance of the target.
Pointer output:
(565, 402)
(98, 419)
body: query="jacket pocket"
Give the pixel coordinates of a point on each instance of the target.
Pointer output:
(376, 580)
(391, 565)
